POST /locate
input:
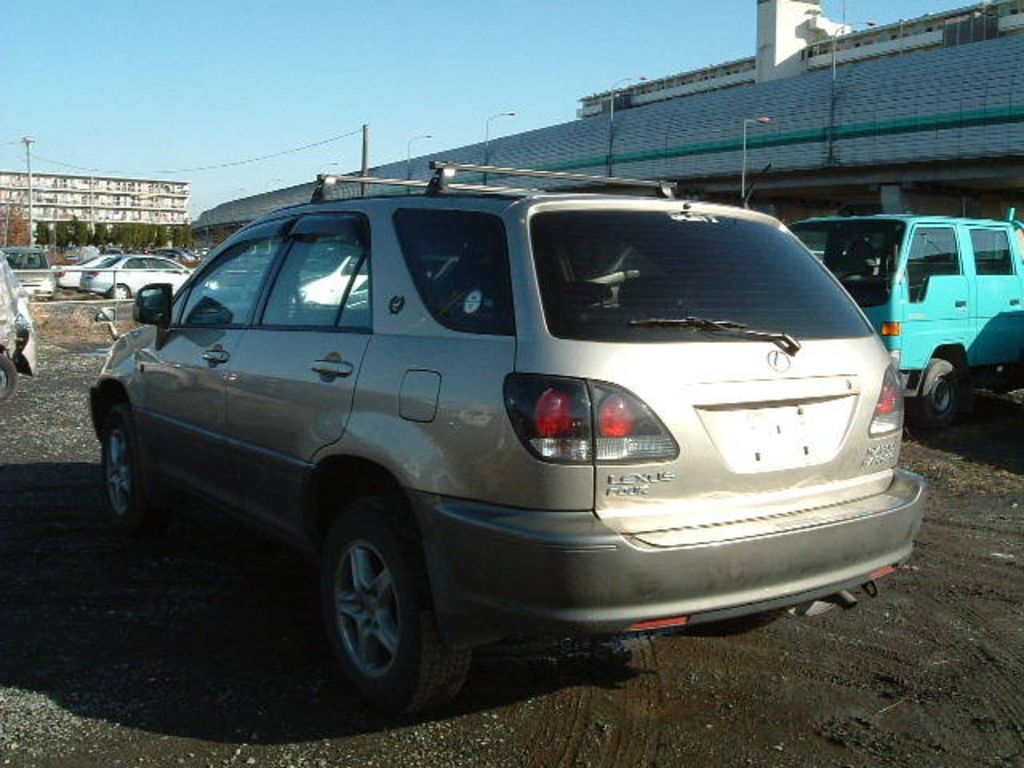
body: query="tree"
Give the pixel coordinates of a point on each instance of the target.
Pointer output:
(43, 235)
(13, 224)
(100, 235)
(80, 231)
(65, 234)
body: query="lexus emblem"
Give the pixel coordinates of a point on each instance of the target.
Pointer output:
(778, 360)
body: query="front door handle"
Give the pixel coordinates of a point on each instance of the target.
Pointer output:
(1014, 302)
(216, 355)
(332, 368)
(960, 303)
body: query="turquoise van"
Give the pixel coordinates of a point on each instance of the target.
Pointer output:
(945, 294)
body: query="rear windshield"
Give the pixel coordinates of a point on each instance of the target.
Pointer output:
(862, 254)
(26, 260)
(602, 271)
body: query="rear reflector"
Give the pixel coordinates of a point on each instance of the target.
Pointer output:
(675, 621)
(891, 329)
(883, 572)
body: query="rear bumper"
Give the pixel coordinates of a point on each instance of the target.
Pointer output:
(497, 571)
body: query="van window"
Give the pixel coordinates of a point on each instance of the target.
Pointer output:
(600, 271)
(933, 252)
(991, 252)
(459, 263)
(862, 254)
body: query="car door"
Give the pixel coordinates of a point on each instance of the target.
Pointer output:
(293, 375)
(938, 294)
(183, 376)
(997, 311)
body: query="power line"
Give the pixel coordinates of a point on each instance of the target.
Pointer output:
(201, 168)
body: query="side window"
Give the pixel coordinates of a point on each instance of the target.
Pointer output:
(933, 252)
(991, 252)
(227, 292)
(459, 263)
(326, 265)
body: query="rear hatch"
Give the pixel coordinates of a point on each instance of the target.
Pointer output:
(746, 379)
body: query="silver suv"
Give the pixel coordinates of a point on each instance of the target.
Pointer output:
(518, 413)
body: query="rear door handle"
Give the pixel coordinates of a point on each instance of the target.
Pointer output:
(960, 303)
(216, 356)
(332, 369)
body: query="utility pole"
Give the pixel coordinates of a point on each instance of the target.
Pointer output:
(28, 163)
(365, 171)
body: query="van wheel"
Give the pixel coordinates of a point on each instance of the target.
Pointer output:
(8, 377)
(125, 499)
(941, 396)
(377, 614)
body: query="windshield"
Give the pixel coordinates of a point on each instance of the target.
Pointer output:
(26, 260)
(861, 253)
(625, 275)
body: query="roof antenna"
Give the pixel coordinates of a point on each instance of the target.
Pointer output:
(750, 187)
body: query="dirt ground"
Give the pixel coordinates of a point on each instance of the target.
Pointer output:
(205, 649)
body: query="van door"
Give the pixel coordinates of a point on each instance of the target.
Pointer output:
(293, 376)
(183, 378)
(938, 295)
(998, 314)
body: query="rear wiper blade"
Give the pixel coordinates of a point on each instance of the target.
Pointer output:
(785, 342)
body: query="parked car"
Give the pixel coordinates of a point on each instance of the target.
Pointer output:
(31, 265)
(524, 413)
(181, 255)
(17, 332)
(122, 278)
(71, 276)
(945, 294)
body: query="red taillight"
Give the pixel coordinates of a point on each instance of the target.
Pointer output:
(91, 274)
(615, 417)
(553, 414)
(889, 408)
(675, 621)
(61, 273)
(555, 419)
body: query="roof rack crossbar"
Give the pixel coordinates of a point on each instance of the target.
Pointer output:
(324, 182)
(444, 171)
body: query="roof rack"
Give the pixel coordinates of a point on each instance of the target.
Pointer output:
(444, 171)
(326, 183)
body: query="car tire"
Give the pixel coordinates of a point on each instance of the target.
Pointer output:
(120, 291)
(377, 613)
(125, 494)
(8, 377)
(941, 397)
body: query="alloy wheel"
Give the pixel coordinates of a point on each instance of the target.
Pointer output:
(119, 472)
(367, 609)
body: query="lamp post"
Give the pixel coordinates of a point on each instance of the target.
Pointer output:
(408, 153)
(614, 92)
(28, 140)
(487, 136)
(743, 167)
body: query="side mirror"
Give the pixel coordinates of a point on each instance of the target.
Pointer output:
(153, 305)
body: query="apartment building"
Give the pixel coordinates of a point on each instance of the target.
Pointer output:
(97, 199)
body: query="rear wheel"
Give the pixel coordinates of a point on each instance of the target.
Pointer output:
(376, 608)
(8, 377)
(120, 291)
(942, 395)
(127, 504)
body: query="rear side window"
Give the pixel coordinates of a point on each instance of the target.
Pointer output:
(991, 252)
(459, 263)
(933, 253)
(602, 272)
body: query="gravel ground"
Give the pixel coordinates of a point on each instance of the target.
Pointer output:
(204, 648)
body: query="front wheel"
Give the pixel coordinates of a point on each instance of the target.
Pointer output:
(941, 397)
(8, 377)
(121, 292)
(127, 505)
(376, 610)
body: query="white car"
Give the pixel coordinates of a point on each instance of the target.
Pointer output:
(71, 276)
(122, 278)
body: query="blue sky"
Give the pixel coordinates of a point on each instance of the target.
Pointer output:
(150, 87)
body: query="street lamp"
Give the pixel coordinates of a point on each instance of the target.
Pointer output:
(743, 168)
(611, 113)
(28, 140)
(408, 153)
(845, 30)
